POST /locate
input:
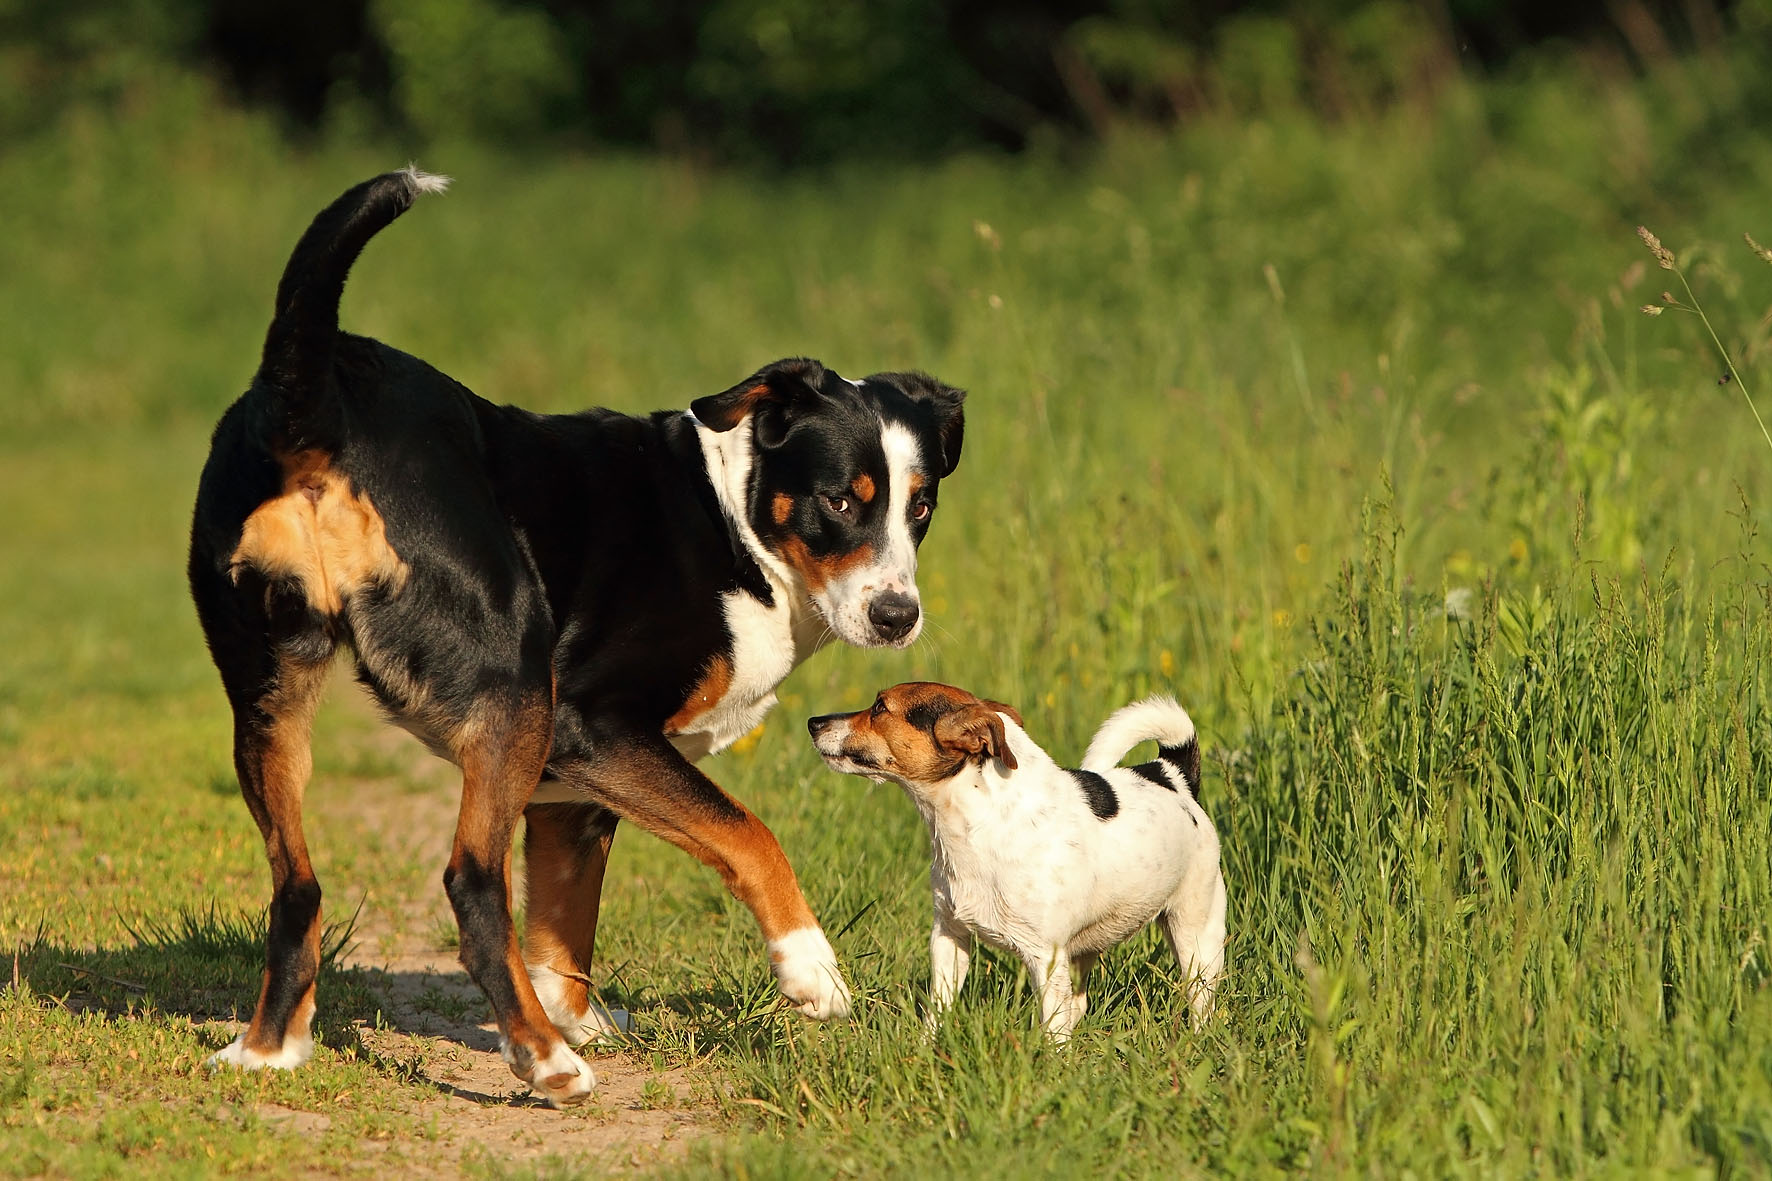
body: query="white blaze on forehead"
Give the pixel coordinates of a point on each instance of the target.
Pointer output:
(903, 459)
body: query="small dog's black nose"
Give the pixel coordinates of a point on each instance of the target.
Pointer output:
(814, 725)
(893, 615)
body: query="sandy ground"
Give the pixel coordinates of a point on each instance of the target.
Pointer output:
(437, 1023)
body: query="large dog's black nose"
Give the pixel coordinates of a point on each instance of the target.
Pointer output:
(893, 615)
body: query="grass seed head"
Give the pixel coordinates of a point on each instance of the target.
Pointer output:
(1652, 309)
(1663, 256)
(1757, 248)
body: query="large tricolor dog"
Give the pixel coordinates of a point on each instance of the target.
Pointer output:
(589, 603)
(1052, 864)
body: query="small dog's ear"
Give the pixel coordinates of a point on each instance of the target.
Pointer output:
(944, 402)
(1014, 714)
(976, 732)
(786, 385)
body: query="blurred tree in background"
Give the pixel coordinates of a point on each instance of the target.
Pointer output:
(804, 81)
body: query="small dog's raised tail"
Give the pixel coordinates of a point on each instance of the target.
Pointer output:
(297, 360)
(1158, 718)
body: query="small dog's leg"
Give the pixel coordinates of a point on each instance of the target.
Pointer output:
(950, 954)
(1050, 968)
(567, 848)
(1081, 965)
(1193, 923)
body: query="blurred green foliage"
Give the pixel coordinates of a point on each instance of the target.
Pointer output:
(809, 81)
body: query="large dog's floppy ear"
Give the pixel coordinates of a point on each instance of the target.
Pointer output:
(944, 402)
(786, 385)
(975, 732)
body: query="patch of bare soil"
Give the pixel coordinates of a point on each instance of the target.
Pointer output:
(437, 1022)
(636, 1117)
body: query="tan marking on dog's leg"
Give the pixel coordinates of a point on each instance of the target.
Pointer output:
(713, 686)
(273, 760)
(696, 816)
(567, 850)
(502, 755)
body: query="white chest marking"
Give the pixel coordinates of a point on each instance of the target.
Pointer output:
(768, 640)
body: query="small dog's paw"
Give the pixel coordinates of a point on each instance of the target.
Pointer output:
(295, 1052)
(806, 971)
(932, 1023)
(562, 1077)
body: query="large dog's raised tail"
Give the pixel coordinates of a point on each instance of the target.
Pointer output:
(1158, 718)
(297, 362)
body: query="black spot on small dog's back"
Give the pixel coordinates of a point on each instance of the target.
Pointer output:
(1186, 759)
(1157, 773)
(1099, 793)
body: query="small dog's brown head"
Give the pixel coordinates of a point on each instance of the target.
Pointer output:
(918, 732)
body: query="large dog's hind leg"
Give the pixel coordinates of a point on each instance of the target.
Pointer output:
(567, 849)
(272, 760)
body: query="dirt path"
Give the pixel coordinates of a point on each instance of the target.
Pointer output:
(397, 831)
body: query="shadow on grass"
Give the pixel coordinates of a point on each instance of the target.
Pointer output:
(208, 966)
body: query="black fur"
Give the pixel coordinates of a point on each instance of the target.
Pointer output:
(1186, 759)
(1156, 772)
(1099, 793)
(925, 715)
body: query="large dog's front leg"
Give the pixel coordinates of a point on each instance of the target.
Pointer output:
(501, 760)
(643, 779)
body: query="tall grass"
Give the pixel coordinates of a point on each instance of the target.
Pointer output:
(1500, 904)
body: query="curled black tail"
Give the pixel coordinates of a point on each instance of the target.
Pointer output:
(1186, 759)
(297, 361)
(1154, 717)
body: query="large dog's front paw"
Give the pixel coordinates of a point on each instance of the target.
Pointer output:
(562, 1077)
(295, 1052)
(807, 973)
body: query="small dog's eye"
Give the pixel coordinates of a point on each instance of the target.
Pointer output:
(921, 510)
(838, 505)
(879, 707)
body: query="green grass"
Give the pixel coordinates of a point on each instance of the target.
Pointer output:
(1351, 437)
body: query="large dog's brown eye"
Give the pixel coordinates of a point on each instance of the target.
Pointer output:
(921, 510)
(838, 504)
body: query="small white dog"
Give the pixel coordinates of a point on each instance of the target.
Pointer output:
(1054, 865)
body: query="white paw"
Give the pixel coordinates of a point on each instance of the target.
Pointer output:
(596, 1025)
(295, 1052)
(931, 1023)
(806, 972)
(562, 1078)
